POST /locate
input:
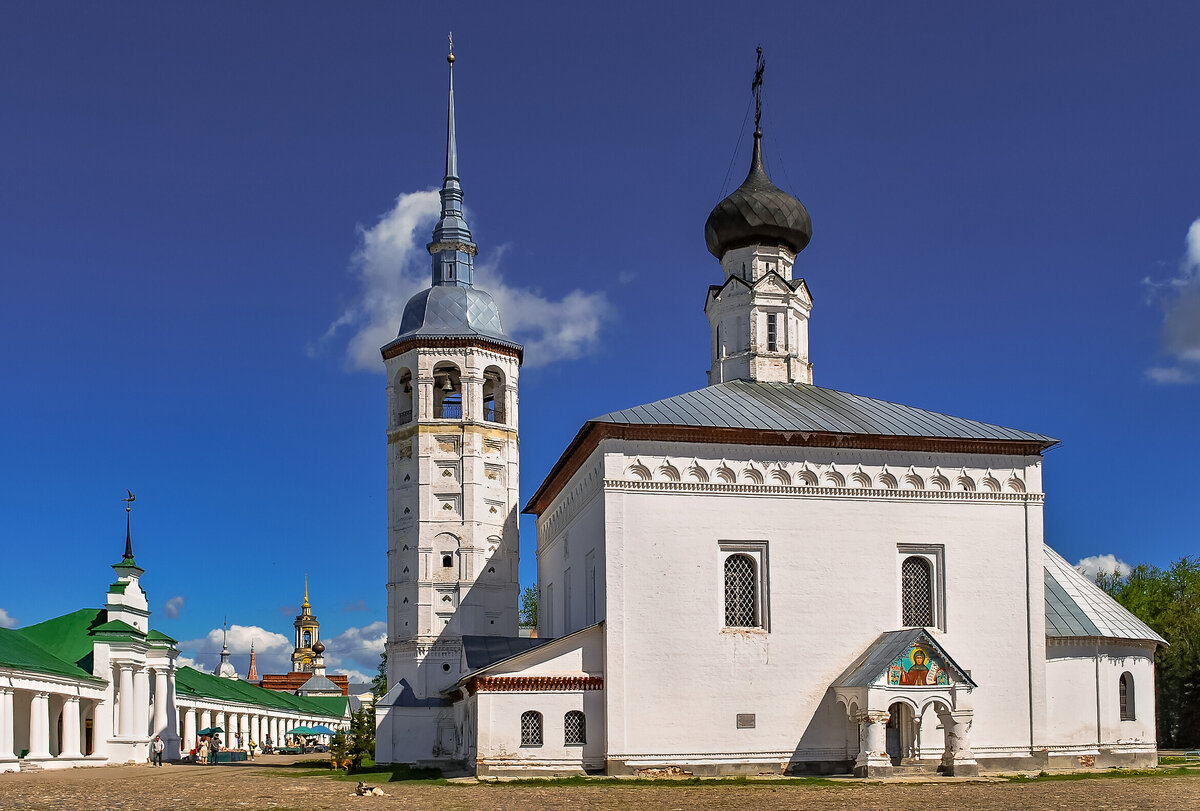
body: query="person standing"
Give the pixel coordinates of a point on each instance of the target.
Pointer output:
(156, 750)
(202, 752)
(214, 749)
(252, 745)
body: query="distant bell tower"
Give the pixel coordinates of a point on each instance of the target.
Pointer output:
(308, 632)
(759, 315)
(453, 474)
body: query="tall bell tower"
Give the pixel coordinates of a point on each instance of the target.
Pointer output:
(453, 475)
(308, 635)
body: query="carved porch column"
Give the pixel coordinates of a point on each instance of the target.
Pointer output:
(958, 760)
(873, 760)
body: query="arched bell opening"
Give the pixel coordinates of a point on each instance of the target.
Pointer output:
(493, 395)
(402, 396)
(447, 392)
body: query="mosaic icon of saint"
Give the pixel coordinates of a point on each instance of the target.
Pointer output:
(917, 674)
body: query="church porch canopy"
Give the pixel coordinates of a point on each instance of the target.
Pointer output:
(908, 666)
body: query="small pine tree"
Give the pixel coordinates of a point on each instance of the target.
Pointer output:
(361, 740)
(339, 750)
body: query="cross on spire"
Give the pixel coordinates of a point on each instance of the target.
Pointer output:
(760, 64)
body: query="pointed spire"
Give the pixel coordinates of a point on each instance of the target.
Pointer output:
(451, 146)
(128, 537)
(452, 247)
(304, 605)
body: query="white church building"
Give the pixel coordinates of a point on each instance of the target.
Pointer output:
(760, 576)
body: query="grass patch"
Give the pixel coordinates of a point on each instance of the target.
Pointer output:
(739, 780)
(1044, 777)
(372, 773)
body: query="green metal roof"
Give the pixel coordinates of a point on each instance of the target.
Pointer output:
(20, 652)
(68, 637)
(159, 636)
(118, 627)
(192, 682)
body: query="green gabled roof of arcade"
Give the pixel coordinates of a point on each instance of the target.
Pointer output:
(68, 637)
(192, 682)
(20, 652)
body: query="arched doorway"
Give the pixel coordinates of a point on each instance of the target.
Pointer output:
(901, 733)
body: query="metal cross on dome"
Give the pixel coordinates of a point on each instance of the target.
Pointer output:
(756, 86)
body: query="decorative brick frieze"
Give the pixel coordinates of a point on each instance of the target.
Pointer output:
(533, 684)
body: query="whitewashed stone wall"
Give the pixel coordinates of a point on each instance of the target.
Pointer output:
(832, 522)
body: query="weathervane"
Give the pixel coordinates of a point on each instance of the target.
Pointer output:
(756, 88)
(129, 500)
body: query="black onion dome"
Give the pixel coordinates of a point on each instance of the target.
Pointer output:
(757, 213)
(319, 648)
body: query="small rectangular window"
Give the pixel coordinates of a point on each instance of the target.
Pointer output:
(772, 333)
(745, 581)
(922, 585)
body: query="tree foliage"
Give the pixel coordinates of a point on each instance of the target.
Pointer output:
(529, 607)
(379, 683)
(1168, 600)
(348, 749)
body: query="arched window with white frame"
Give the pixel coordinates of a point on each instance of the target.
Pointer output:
(531, 728)
(1125, 695)
(741, 592)
(574, 728)
(916, 599)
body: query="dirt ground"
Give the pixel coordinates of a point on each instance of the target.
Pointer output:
(268, 784)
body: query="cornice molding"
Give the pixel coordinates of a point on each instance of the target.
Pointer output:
(593, 433)
(724, 488)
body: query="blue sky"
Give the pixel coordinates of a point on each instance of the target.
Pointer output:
(199, 204)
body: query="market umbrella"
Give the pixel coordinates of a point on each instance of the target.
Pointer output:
(210, 731)
(321, 729)
(302, 731)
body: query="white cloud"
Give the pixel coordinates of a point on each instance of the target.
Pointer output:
(356, 649)
(173, 606)
(354, 652)
(355, 676)
(273, 652)
(1179, 298)
(392, 264)
(6, 621)
(1169, 374)
(1091, 566)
